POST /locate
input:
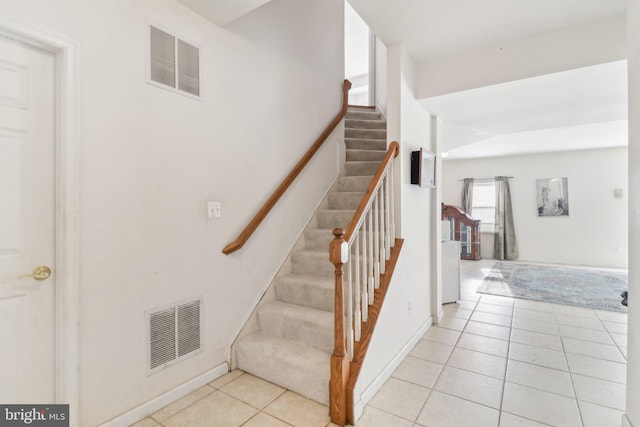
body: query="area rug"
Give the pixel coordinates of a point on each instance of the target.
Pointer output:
(582, 287)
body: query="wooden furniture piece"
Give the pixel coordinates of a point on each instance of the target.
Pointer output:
(464, 229)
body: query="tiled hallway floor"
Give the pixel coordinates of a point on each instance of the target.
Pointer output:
(492, 361)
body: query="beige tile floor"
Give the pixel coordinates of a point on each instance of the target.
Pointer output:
(492, 361)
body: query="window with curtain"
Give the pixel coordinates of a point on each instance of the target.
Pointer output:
(484, 204)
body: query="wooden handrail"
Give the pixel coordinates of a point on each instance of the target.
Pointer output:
(282, 188)
(376, 182)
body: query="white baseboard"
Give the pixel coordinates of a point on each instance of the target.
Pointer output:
(437, 318)
(379, 381)
(148, 408)
(625, 421)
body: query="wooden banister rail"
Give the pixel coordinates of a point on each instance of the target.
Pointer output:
(367, 200)
(244, 236)
(351, 342)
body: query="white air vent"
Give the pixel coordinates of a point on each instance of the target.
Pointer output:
(173, 63)
(174, 333)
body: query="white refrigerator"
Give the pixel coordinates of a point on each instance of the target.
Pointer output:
(450, 271)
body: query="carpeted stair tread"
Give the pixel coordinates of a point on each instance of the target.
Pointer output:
(312, 262)
(354, 183)
(361, 114)
(365, 124)
(303, 289)
(367, 168)
(365, 133)
(345, 199)
(318, 238)
(288, 363)
(366, 144)
(365, 155)
(296, 322)
(333, 218)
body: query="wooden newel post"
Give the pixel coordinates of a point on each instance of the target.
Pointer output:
(338, 254)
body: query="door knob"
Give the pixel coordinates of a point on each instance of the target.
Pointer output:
(40, 273)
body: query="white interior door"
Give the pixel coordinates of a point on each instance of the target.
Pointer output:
(27, 223)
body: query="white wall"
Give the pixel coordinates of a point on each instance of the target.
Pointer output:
(151, 159)
(633, 337)
(381, 76)
(588, 43)
(594, 233)
(407, 306)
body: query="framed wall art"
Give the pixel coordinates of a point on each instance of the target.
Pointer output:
(552, 196)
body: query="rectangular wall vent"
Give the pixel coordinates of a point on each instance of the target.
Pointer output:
(174, 333)
(173, 63)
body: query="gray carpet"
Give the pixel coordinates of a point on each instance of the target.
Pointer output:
(599, 289)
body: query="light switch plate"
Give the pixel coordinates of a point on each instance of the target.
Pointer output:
(214, 210)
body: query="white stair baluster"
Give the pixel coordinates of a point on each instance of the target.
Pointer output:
(348, 289)
(356, 288)
(375, 237)
(370, 257)
(393, 208)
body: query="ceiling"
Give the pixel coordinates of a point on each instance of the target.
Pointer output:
(430, 29)
(221, 12)
(577, 109)
(583, 108)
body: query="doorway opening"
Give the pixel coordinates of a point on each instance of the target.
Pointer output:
(358, 57)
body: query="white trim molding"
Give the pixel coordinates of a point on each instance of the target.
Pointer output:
(148, 408)
(67, 206)
(625, 421)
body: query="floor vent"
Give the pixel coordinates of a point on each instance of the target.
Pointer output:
(173, 63)
(174, 333)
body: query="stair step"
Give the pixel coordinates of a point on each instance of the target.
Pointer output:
(345, 200)
(332, 218)
(318, 238)
(366, 133)
(312, 291)
(365, 124)
(354, 183)
(363, 114)
(290, 364)
(364, 155)
(361, 168)
(312, 262)
(365, 144)
(296, 322)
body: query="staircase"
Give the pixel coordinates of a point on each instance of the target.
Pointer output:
(294, 341)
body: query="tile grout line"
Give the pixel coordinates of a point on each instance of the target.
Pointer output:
(444, 365)
(506, 365)
(182, 409)
(573, 387)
